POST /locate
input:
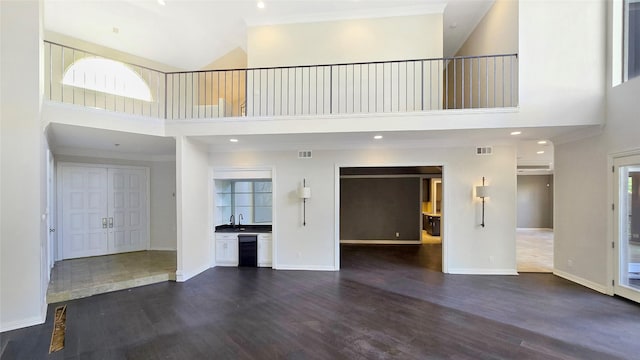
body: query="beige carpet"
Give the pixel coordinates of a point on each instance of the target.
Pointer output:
(534, 250)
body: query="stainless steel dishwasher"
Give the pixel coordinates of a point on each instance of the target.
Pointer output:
(248, 250)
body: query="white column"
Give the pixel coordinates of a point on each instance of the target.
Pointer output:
(194, 203)
(23, 200)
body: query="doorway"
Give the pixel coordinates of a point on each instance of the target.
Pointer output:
(534, 233)
(391, 216)
(627, 226)
(104, 210)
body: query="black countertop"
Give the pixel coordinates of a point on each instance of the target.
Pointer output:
(226, 228)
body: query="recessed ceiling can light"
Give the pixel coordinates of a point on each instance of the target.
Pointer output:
(516, 132)
(542, 142)
(260, 4)
(378, 137)
(540, 152)
(233, 140)
(162, 2)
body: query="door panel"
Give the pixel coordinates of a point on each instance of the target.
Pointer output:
(627, 230)
(84, 204)
(128, 192)
(93, 195)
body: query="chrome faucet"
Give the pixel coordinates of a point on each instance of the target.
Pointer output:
(232, 221)
(240, 218)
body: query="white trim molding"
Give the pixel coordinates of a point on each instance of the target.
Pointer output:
(31, 321)
(382, 242)
(584, 282)
(470, 271)
(182, 276)
(306, 267)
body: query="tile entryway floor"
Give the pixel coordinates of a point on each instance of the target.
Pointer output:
(534, 250)
(78, 278)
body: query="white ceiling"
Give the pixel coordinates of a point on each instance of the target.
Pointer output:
(69, 139)
(190, 34)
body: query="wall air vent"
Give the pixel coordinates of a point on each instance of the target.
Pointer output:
(304, 154)
(484, 150)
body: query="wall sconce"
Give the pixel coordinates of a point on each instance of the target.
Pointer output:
(482, 192)
(304, 193)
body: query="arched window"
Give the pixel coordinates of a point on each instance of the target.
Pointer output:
(108, 76)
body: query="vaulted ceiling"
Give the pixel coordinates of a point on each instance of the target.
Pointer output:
(189, 34)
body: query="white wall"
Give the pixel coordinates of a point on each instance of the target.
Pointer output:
(330, 42)
(470, 248)
(163, 206)
(194, 208)
(497, 32)
(162, 202)
(582, 186)
(562, 52)
(22, 226)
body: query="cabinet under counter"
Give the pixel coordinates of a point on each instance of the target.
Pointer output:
(227, 249)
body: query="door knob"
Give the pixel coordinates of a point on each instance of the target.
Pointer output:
(52, 230)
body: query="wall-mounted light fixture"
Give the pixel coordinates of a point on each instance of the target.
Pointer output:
(482, 192)
(304, 193)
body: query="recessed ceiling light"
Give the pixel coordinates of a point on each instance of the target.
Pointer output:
(516, 132)
(233, 140)
(542, 142)
(162, 2)
(378, 137)
(540, 152)
(260, 4)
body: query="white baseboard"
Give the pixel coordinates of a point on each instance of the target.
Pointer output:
(534, 229)
(162, 249)
(483, 271)
(584, 282)
(22, 323)
(382, 242)
(182, 276)
(305, 267)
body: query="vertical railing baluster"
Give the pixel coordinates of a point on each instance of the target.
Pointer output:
(61, 74)
(471, 84)
(479, 84)
(50, 71)
(503, 81)
(512, 103)
(455, 84)
(446, 84)
(494, 82)
(73, 89)
(462, 86)
(486, 69)
(439, 85)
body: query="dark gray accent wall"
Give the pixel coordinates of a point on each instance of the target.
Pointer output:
(535, 201)
(377, 208)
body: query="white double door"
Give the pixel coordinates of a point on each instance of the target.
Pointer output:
(104, 210)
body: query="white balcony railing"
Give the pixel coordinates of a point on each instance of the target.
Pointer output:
(488, 81)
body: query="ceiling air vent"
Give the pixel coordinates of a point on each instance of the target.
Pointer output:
(304, 154)
(484, 150)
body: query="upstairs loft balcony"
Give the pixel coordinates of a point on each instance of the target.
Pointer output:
(77, 77)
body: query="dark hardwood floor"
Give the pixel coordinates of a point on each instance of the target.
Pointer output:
(385, 303)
